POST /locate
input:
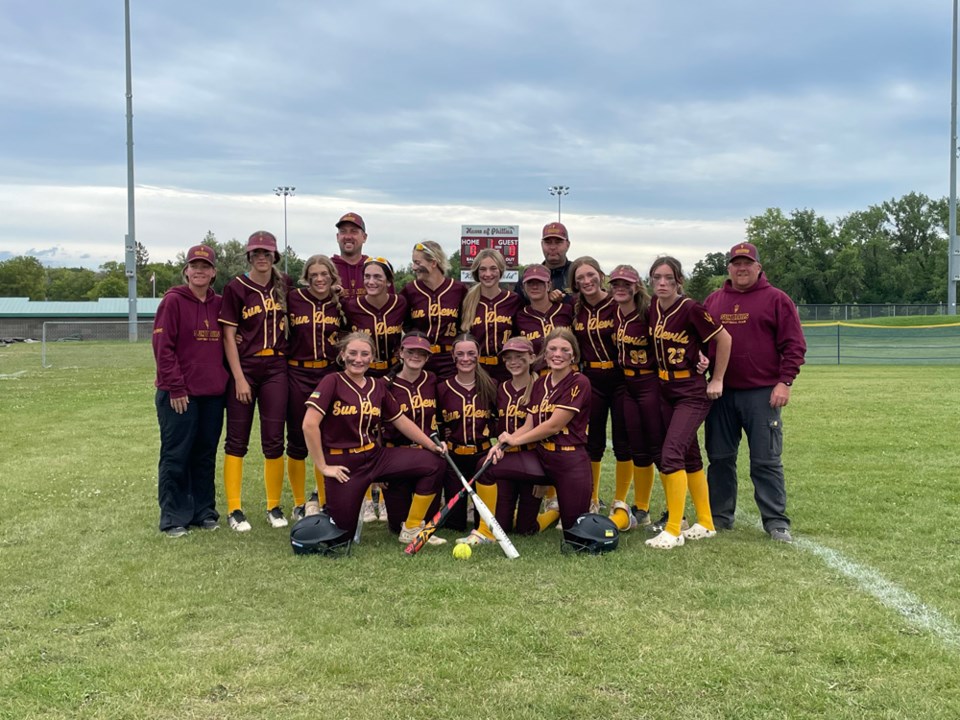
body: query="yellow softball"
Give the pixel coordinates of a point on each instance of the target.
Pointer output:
(462, 552)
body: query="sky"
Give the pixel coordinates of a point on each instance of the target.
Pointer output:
(671, 122)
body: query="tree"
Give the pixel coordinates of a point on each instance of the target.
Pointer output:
(69, 283)
(143, 257)
(111, 282)
(23, 276)
(708, 275)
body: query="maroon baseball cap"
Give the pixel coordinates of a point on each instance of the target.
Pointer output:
(352, 218)
(415, 342)
(517, 343)
(555, 229)
(622, 273)
(536, 272)
(262, 240)
(744, 249)
(202, 252)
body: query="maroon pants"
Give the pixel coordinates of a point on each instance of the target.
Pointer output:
(301, 382)
(641, 413)
(683, 407)
(405, 470)
(517, 473)
(605, 385)
(268, 385)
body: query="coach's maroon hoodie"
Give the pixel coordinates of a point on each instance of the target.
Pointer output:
(768, 344)
(188, 344)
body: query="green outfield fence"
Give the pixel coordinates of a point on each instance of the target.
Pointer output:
(851, 312)
(844, 343)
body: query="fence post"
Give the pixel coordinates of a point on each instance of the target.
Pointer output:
(838, 343)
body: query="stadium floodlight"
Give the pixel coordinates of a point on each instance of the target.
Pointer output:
(559, 191)
(284, 191)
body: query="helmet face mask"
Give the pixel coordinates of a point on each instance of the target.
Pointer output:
(591, 534)
(319, 535)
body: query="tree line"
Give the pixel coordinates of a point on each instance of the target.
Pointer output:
(894, 252)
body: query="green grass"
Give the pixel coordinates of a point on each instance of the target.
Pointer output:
(102, 617)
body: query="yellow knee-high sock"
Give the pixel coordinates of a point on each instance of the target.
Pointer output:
(321, 487)
(675, 486)
(273, 480)
(368, 496)
(547, 519)
(595, 469)
(700, 493)
(418, 510)
(488, 494)
(233, 481)
(623, 476)
(297, 472)
(551, 493)
(642, 486)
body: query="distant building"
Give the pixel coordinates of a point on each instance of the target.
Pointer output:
(24, 318)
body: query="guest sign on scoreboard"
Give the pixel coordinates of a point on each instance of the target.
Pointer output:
(503, 238)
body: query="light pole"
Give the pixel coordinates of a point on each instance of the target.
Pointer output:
(559, 191)
(285, 192)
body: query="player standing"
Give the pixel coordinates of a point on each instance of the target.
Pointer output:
(313, 314)
(488, 310)
(433, 304)
(680, 327)
(191, 380)
(253, 315)
(535, 320)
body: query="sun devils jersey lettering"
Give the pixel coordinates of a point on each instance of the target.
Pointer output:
(314, 326)
(594, 330)
(535, 325)
(385, 326)
(571, 393)
(457, 405)
(493, 322)
(675, 348)
(358, 410)
(259, 319)
(634, 347)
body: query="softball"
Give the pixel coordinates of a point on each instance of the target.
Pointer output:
(462, 552)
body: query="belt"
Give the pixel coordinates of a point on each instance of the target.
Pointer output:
(470, 449)
(488, 360)
(379, 365)
(629, 372)
(308, 363)
(396, 445)
(514, 448)
(268, 352)
(438, 348)
(674, 374)
(605, 365)
(352, 451)
(553, 447)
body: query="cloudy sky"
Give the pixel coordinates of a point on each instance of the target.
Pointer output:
(671, 122)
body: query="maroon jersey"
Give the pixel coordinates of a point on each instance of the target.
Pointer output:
(634, 346)
(351, 276)
(457, 406)
(511, 411)
(385, 326)
(355, 412)
(188, 345)
(418, 401)
(571, 393)
(594, 328)
(314, 327)
(679, 332)
(436, 313)
(259, 319)
(493, 321)
(535, 325)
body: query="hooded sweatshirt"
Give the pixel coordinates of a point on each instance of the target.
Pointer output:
(768, 344)
(188, 344)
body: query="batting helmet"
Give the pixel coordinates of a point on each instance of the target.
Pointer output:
(319, 534)
(592, 534)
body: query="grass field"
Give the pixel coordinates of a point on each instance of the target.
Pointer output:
(102, 617)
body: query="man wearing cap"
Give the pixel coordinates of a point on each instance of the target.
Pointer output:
(351, 235)
(768, 350)
(555, 243)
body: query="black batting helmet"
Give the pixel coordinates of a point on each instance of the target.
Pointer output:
(319, 534)
(592, 534)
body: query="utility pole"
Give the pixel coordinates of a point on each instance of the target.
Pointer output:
(285, 192)
(130, 241)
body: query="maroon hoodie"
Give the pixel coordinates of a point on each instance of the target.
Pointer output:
(188, 344)
(768, 344)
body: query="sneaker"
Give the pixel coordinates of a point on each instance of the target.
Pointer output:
(175, 532)
(594, 506)
(312, 506)
(781, 535)
(276, 517)
(642, 516)
(408, 535)
(665, 541)
(659, 526)
(382, 510)
(238, 521)
(551, 505)
(620, 505)
(475, 538)
(299, 511)
(698, 532)
(210, 524)
(368, 511)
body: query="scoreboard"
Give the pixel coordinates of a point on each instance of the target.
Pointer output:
(503, 238)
